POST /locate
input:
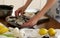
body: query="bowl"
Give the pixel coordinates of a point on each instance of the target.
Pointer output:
(5, 10)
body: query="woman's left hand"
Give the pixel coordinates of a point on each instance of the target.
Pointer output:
(29, 23)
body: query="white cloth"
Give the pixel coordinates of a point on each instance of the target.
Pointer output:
(37, 4)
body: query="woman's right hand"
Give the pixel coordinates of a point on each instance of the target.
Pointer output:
(19, 10)
(23, 8)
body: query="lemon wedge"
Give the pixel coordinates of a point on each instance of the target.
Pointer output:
(3, 29)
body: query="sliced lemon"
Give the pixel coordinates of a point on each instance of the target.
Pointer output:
(3, 30)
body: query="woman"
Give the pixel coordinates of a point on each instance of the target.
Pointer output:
(34, 20)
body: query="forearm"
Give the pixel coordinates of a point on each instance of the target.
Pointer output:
(49, 4)
(25, 6)
(27, 3)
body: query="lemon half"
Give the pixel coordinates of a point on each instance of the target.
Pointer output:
(3, 29)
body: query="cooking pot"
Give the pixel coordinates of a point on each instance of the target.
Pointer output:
(5, 10)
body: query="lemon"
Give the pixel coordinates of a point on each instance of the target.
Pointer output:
(1, 26)
(42, 31)
(51, 32)
(3, 29)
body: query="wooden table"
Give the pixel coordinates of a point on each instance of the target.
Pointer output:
(53, 24)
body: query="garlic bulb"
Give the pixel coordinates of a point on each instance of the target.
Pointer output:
(17, 33)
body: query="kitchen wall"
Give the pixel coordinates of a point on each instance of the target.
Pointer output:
(37, 4)
(1, 2)
(53, 12)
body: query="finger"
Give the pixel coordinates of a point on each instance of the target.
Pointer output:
(17, 13)
(27, 25)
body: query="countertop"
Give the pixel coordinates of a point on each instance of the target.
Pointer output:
(57, 19)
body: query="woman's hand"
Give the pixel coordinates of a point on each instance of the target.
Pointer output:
(22, 9)
(19, 10)
(29, 23)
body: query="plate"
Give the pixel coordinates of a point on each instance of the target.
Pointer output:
(16, 22)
